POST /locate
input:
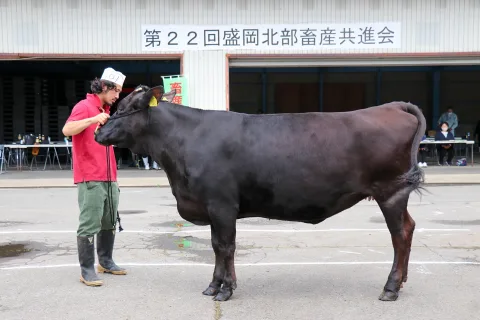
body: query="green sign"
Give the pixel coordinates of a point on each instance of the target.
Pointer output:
(178, 83)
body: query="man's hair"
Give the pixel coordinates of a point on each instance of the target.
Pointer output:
(97, 85)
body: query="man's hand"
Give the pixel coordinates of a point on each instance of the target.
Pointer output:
(75, 127)
(101, 118)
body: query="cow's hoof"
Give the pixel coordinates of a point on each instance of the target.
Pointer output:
(223, 295)
(210, 291)
(388, 296)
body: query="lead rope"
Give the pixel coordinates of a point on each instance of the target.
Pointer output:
(110, 192)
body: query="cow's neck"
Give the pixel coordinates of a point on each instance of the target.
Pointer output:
(171, 126)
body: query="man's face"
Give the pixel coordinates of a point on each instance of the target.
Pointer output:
(110, 96)
(449, 110)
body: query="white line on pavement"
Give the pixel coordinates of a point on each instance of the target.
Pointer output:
(350, 252)
(266, 264)
(238, 230)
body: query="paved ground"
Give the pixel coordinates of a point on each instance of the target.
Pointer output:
(131, 177)
(334, 270)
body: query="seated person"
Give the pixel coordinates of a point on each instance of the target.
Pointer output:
(444, 148)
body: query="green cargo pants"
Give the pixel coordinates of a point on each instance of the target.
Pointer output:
(95, 209)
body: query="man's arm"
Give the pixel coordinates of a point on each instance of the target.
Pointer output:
(440, 120)
(79, 120)
(455, 122)
(74, 127)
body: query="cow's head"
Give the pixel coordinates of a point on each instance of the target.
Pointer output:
(129, 125)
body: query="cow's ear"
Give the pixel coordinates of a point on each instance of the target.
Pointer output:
(157, 90)
(169, 96)
(147, 97)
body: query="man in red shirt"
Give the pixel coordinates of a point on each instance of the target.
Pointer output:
(98, 210)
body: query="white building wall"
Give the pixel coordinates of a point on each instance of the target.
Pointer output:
(206, 76)
(114, 27)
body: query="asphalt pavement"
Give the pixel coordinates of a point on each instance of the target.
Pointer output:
(334, 270)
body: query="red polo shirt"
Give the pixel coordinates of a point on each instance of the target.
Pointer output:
(90, 157)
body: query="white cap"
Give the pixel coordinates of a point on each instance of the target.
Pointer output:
(113, 76)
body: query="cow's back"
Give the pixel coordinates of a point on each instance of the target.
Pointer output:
(286, 146)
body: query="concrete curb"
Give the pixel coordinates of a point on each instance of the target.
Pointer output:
(68, 183)
(452, 178)
(162, 182)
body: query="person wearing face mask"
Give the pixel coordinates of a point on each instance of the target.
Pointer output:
(450, 118)
(444, 148)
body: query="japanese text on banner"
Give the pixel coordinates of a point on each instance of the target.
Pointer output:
(276, 37)
(179, 84)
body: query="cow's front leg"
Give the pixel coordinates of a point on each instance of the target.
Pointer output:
(219, 271)
(223, 232)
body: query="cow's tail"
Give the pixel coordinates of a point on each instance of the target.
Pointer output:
(415, 176)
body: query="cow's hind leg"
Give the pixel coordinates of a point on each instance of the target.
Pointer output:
(408, 227)
(223, 231)
(401, 227)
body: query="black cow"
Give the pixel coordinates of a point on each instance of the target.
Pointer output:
(223, 166)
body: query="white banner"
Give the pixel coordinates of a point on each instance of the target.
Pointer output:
(271, 37)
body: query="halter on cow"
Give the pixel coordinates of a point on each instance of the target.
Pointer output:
(223, 166)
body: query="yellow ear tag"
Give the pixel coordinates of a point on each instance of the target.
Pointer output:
(153, 102)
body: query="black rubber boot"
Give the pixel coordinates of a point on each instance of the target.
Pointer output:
(105, 241)
(86, 257)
